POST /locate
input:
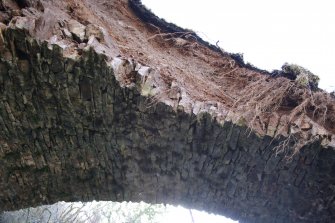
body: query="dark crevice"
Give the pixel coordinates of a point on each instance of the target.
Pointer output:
(2, 7)
(22, 55)
(23, 3)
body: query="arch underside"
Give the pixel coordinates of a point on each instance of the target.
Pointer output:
(70, 132)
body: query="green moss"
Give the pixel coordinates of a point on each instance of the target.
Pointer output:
(302, 75)
(302, 80)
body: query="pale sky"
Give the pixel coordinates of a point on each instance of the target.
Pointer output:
(182, 215)
(268, 33)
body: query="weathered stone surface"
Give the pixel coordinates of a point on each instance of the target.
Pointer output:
(93, 30)
(77, 29)
(69, 131)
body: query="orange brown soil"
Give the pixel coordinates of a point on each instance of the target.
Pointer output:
(216, 82)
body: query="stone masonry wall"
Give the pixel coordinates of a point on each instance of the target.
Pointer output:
(69, 131)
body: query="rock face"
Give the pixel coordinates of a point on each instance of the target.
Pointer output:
(78, 125)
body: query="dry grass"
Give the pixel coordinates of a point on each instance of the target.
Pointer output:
(259, 101)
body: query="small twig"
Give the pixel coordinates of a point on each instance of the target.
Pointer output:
(230, 72)
(191, 214)
(169, 34)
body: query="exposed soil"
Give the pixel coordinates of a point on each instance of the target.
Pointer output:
(204, 72)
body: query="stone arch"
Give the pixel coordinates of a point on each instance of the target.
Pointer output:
(69, 130)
